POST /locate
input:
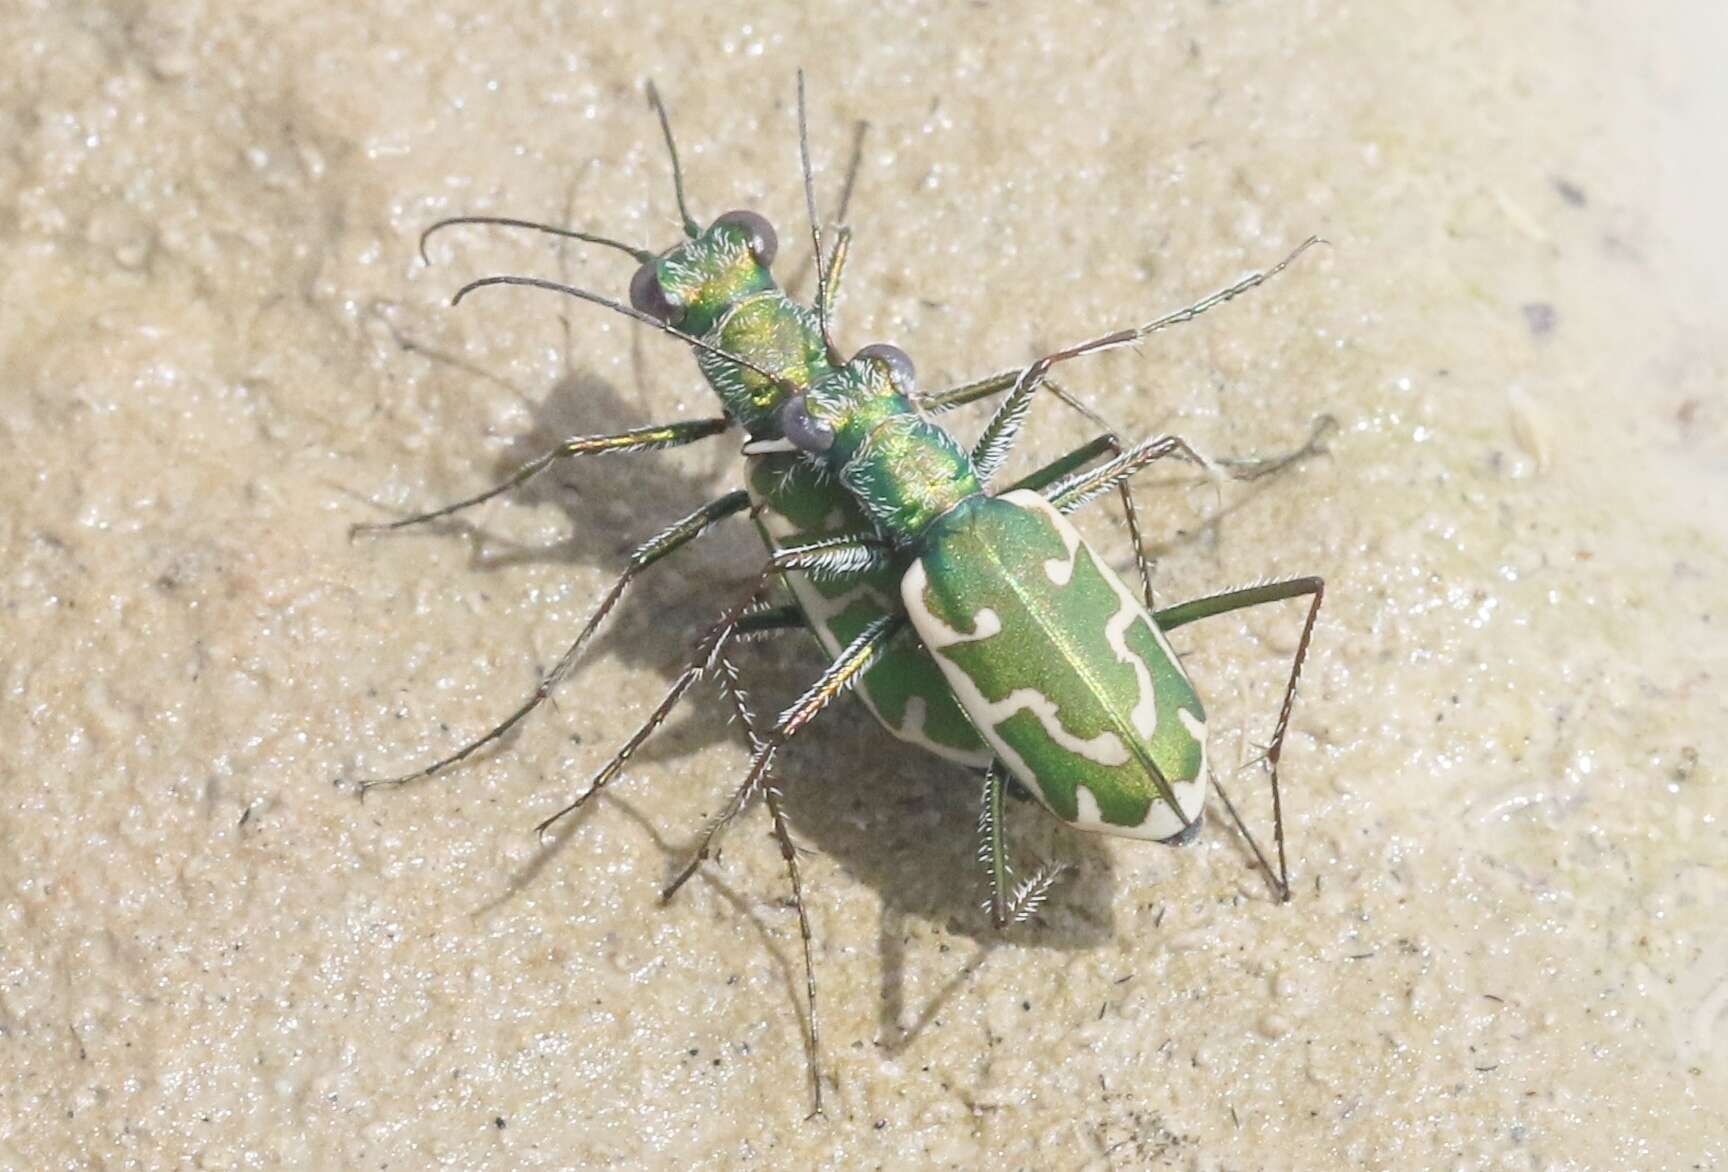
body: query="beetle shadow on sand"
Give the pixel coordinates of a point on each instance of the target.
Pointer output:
(894, 819)
(905, 825)
(891, 817)
(611, 504)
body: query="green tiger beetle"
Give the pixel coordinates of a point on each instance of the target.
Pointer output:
(1069, 678)
(979, 627)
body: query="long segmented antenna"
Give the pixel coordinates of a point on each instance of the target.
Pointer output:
(854, 161)
(691, 228)
(815, 223)
(639, 254)
(627, 311)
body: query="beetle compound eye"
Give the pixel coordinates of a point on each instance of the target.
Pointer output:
(807, 434)
(649, 296)
(900, 370)
(764, 244)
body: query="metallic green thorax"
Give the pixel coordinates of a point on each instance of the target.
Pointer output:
(732, 303)
(904, 470)
(1055, 660)
(776, 334)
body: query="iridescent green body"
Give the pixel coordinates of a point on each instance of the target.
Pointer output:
(730, 301)
(904, 689)
(1031, 656)
(1060, 667)
(1055, 660)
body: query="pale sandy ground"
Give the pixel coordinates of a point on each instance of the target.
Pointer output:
(1506, 776)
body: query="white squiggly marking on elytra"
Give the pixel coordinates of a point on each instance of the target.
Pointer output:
(1060, 571)
(1191, 794)
(985, 621)
(1088, 816)
(1144, 714)
(1106, 749)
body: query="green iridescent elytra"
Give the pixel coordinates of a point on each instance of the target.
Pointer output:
(1060, 666)
(1055, 661)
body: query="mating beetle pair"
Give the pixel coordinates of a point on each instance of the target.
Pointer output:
(972, 619)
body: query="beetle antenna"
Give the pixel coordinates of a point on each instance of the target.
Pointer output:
(627, 311)
(640, 254)
(815, 223)
(691, 228)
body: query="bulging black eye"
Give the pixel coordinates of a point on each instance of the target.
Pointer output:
(807, 434)
(648, 296)
(764, 244)
(900, 370)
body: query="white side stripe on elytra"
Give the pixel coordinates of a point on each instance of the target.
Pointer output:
(820, 610)
(1107, 749)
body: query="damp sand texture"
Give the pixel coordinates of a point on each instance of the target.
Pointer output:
(1503, 783)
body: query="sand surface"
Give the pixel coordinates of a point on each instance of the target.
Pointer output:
(1505, 780)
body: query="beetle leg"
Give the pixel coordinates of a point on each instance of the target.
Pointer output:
(637, 439)
(668, 541)
(839, 676)
(1233, 600)
(832, 555)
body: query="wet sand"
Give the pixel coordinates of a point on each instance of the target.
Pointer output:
(1504, 777)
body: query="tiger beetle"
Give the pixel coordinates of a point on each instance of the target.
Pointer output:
(994, 657)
